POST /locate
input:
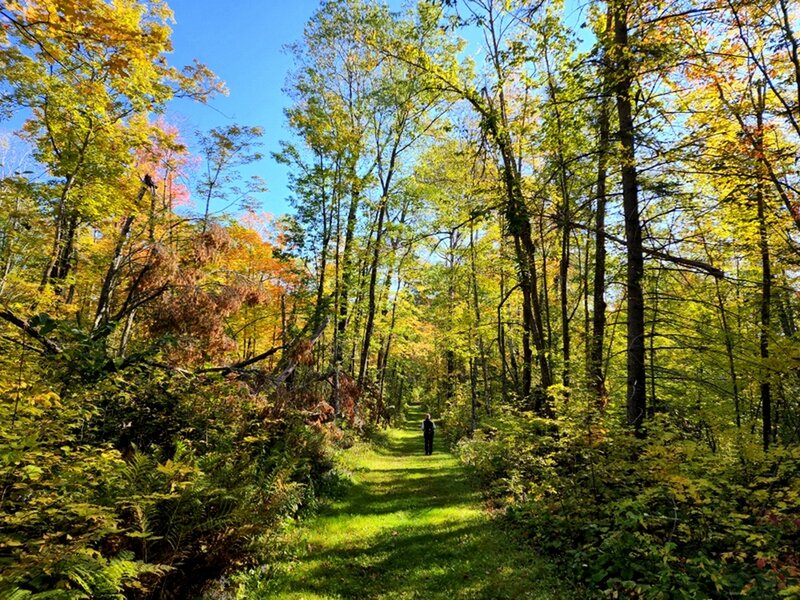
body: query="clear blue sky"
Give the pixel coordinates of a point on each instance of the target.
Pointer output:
(241, 41)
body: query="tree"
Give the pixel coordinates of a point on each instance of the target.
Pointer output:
(224, 150)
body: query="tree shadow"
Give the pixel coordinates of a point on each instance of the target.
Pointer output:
(439, 490)
(445, 561)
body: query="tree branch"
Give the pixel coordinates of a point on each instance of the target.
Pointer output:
(243, 364)
(678, 260)
(289, 369)
(50, 347)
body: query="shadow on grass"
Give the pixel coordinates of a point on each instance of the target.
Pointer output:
(439, 490)
(447, 561)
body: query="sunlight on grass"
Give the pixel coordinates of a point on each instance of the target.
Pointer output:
(409, 526)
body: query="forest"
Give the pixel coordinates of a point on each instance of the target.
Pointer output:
(575, 241)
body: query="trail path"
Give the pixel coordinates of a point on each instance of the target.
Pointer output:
(411, 526)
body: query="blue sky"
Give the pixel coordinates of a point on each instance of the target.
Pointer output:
(241, 42)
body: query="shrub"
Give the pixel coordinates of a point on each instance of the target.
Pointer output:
(146, 484)
(662, 517)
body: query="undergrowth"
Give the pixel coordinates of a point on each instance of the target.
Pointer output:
(147, 483)
(659, 517)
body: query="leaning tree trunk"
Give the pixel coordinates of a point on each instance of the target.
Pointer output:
(519, 226)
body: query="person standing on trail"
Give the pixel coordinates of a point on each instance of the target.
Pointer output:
(427, 432)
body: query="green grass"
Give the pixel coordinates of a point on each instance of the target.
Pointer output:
(409, 526)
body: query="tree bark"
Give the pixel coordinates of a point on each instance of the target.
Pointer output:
(347, 272)
(596, 374)
(766, 281)
(636, 382)
(373, 279)
(477, 309)
(565, 213)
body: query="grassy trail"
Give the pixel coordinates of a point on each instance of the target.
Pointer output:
(411, 526)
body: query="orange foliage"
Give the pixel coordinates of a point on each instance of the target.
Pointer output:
(228, 270)
(210, 243)
(302, 353)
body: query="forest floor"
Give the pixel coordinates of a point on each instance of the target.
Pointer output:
(407, 526)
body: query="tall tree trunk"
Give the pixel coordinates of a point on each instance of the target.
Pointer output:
(127, 329)
(652, 405)
(473, 385)
(358, 305)
(766, 281)
(449, 354)
(323, 267)
(501, 339)
(565, 213)
(109, 282)
(64, 258)
(371, 303)
(520, 228)
(385, 177)
(723, 314)
(284, 325)
(386, 345)
(495, 120)
(547, 332)
(528, 327)
(763, 338)
(347, 272)
(785, 311)
(636, 382)
(383, 362)
(6, 250)
(477, 308)
(563, 281)
(66, 223)
(597, 374)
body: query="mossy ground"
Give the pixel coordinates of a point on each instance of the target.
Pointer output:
(409, 526)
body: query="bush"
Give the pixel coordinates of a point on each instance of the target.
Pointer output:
(146, 484)
(657, 518)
